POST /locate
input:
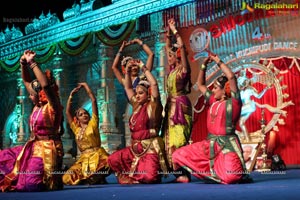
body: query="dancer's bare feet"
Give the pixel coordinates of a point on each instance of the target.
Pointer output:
(183, 179)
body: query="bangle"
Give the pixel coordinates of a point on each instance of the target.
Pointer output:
(33, 65)
(219, 63)
(70, 97)
(203, 67)
(119, 53)
(174, 32)
(142, 43)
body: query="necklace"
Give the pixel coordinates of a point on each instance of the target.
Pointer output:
(34, 120)
(213, 116)
(133, 121)
(81, 132)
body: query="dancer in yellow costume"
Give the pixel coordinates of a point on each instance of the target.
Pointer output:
(92, 166)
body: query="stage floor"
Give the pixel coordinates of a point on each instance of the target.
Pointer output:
(272, 185)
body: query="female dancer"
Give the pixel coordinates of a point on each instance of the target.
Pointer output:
(136, 76)
(143, 160)
(178, 119)
(218, 158)
(36, 166)
(135, 70)
(92, 166)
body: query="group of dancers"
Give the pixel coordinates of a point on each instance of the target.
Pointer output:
(37, 165)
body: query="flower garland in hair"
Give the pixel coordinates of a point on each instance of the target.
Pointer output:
(227, 89)
(145, 84)
(177, 52)
(124, 62)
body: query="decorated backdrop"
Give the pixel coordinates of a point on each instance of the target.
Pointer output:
(261, 44)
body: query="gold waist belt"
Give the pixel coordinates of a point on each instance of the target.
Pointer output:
(90, 150)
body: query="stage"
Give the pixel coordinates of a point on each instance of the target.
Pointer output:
(275, 185)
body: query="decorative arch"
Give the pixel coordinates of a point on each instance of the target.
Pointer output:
(114, 35)
(43, 55)
(10, 65)
(76, 46)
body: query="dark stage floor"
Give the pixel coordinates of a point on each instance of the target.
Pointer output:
(272, 185)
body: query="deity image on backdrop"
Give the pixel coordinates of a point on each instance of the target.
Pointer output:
(247, 78)
(13, 133)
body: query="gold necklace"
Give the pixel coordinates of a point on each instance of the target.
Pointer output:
(34, 120)
(132, 121)
(213, 116)
(81, 132)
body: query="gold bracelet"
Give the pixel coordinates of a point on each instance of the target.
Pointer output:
(203, 67)
(174, 33)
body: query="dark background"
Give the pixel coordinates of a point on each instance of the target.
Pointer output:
(21, 12)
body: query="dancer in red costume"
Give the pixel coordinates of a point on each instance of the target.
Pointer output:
(144, 160)
(218, 158)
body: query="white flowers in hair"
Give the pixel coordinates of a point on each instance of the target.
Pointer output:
(144, 83)
(125, 60)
